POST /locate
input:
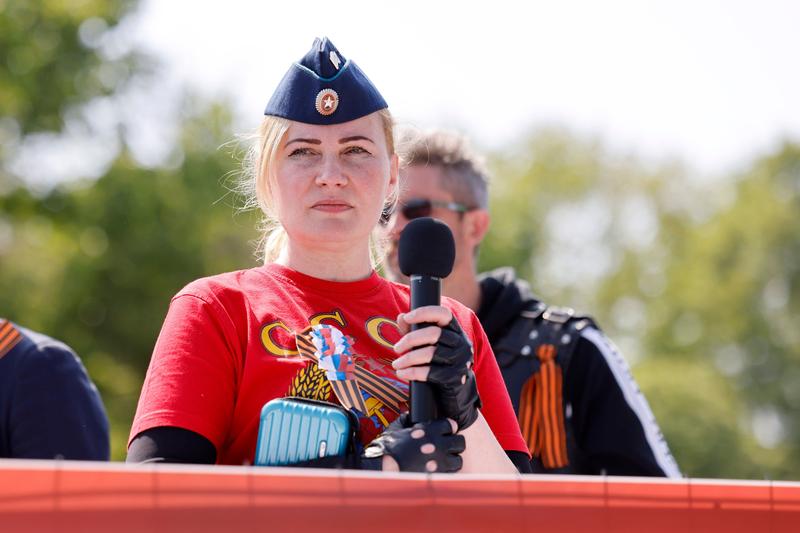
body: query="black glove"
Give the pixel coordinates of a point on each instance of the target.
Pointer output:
(403, 442)
(452, 376)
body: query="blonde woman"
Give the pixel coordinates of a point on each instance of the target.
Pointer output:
(324, 169)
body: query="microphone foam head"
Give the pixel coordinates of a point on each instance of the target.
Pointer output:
(426, 248)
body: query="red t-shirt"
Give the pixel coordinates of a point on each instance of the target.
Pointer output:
(227, 347)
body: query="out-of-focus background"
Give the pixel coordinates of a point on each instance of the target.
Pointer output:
(645, 160)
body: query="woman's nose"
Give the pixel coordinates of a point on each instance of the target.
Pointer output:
(331, 173)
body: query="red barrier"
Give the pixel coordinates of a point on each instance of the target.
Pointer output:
(88, 497)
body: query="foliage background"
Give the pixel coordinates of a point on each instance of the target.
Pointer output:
(696, 279)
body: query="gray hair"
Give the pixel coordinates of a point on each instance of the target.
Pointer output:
(464, 172)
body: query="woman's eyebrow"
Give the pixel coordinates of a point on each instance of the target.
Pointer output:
(355, 138)
(302, 140)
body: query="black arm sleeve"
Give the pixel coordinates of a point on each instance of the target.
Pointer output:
(521, 461)
(171, 445)
(611, 418)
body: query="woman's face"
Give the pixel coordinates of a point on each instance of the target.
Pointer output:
(331, 182)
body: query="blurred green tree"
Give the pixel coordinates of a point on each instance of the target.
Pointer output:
(96, 263)
(731, 299)
(695, 279)
(56, 57)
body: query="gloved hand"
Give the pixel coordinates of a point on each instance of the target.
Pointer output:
(424, 447)
(451, 374)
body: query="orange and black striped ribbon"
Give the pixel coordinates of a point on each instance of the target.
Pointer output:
(541, 413)
(348, 391)
(9, 337)
(382, 390)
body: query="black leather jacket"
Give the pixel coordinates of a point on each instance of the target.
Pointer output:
(609, 426)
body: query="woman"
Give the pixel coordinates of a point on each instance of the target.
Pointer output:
(324, 169)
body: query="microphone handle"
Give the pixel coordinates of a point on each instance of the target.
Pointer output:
(425, 290)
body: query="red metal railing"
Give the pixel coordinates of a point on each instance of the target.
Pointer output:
(87, 497)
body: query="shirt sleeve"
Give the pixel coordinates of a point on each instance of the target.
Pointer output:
(614, 426)
(496, 404)
(192, 378)
(56, 410)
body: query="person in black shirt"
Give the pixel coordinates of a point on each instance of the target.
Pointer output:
(49, 408)
(579, 408)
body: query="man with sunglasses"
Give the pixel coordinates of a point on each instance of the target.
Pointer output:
(579, 408)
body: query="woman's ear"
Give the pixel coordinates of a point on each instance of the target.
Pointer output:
(394, 172)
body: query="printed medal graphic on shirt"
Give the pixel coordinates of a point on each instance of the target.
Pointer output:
(311, 383)
(378, 399)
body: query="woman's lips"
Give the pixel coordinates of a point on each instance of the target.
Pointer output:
(332, 206)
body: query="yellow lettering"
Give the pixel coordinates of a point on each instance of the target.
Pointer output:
(273, 347)
(336, 316)
(374, 329)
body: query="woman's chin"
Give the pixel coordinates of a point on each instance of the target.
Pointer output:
(338, 232)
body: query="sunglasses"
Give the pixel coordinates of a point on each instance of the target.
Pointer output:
(422, 207)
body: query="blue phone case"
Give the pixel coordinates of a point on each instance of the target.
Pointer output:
(294, 429)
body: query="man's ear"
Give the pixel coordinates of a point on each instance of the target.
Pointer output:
(477, 225)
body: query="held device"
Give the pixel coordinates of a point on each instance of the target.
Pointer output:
(297, 429)
(426, 253)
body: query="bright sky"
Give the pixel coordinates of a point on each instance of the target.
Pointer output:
(711, 82)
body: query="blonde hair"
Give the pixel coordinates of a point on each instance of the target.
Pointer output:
(258, 177)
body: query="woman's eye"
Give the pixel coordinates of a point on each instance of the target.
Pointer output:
(298, 152)
(355, 150)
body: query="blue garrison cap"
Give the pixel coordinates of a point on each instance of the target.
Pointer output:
(324, 88)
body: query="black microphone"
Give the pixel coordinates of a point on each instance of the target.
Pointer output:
(426, 253)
